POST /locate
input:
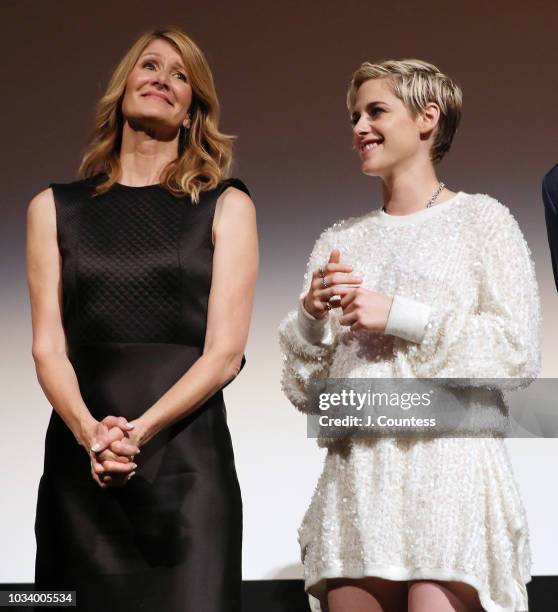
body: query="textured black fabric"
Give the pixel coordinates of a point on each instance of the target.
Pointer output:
(550, 199)
(136, 274)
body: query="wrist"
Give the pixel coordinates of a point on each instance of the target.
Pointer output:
(84, 429)
(312, 329)
(142, 431)
(407, 319)
(307, 310)
(390, 306)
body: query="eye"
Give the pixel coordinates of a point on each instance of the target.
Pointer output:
(376, 111)
(150, 63)
(354, 118)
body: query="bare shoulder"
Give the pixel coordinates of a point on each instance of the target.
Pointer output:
(41, 211)
(234, 208)
(234, 200)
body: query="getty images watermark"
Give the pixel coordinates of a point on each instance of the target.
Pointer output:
(443, 407)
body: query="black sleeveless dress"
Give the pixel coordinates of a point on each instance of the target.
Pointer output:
(136, 274)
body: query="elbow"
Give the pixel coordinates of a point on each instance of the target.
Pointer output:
(229, 363)
(523, 366)
(532, 369)
(41, 354)
(233, 365)
(529, 354)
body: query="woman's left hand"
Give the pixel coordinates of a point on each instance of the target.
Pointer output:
(365, 310)
(116, 447)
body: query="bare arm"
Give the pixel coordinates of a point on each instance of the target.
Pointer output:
(55, 372)
(235, 268)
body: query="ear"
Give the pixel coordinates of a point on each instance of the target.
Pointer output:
(428, 118)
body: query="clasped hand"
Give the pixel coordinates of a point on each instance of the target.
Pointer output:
(112, 448)
(362, 309)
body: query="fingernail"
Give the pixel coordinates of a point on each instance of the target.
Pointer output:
(130, 426)
(96, 447)
(132, 474)
(139, 451)
(134, 465)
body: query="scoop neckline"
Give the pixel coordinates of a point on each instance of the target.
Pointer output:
(420, 215)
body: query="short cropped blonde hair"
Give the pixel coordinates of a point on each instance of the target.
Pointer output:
(416, 84)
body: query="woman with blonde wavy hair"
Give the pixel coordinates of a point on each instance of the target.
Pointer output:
(141, 276)
(433, 284)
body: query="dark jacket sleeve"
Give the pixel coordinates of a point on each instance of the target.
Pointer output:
(550, 199)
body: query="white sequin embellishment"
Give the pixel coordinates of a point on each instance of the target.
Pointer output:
(446, 508)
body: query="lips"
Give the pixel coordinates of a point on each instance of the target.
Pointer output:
(370, 143)
(152, 94)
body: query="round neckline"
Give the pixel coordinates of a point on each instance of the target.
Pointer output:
(137, 186)
(419, 215)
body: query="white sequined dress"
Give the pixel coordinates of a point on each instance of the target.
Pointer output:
(466, 305)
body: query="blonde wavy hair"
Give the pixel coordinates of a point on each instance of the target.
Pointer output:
(204, 153)
(416, 84)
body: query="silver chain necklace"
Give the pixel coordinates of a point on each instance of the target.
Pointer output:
(432, 199)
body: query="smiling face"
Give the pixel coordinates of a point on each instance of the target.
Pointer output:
(158, 92)
(385, 134)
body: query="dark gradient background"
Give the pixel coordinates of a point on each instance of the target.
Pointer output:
(281, 71)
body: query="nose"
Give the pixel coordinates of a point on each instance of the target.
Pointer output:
(161, 78)
(361, 127)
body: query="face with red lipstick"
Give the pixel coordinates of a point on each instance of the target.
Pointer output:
(385, 134)
(158, 93)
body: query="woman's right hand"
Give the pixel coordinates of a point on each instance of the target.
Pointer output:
(112, 452)
(332, 280)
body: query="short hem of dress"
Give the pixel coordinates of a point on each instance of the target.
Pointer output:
(315, 588)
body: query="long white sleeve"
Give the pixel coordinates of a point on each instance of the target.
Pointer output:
(307, 344)
(466, 307)
(499, 341)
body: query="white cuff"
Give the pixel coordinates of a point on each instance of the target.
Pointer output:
(315, 331)
(407, 319)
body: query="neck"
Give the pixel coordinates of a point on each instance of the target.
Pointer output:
(409, 191)
(143, 156)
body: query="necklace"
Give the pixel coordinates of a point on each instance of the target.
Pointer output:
(432, 199)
